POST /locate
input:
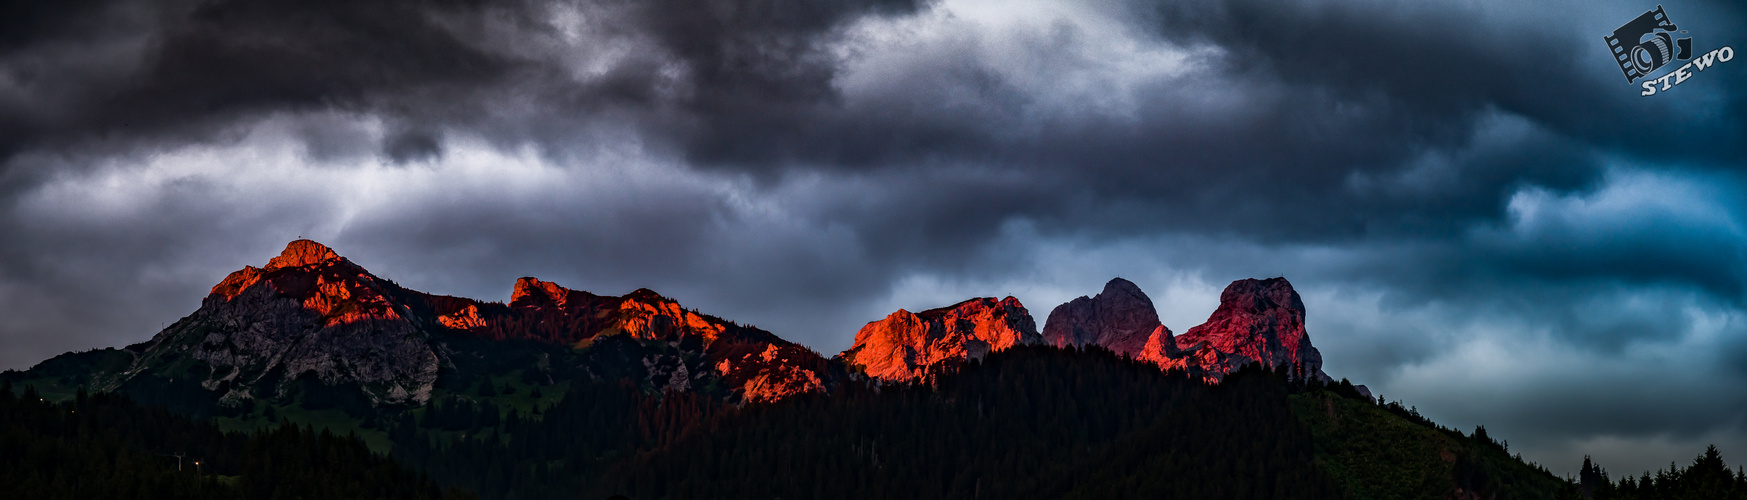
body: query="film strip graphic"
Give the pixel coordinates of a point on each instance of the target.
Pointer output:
(1644, 24)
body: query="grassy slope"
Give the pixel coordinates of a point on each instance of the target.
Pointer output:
(59, 378)
(1376, 454)
(333, 420)
(339, 422)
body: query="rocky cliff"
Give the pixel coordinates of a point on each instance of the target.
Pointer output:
(1120, 318)
(1257, 321)
(699, 349)
(905, 346)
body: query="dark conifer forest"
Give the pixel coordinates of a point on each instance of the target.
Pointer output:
(1029, 422)
(1707, 477)
(105, 446)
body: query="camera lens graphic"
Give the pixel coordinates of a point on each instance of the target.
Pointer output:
(1650, 54)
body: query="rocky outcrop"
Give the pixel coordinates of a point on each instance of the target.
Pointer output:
(547, 312)
(1258, 321)
(1160, 347)
(905, 346)
(301, 253)
(1120, 318)
(776, 373)
(755, 365)
(531, 292)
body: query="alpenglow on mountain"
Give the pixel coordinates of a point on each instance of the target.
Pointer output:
(1258, 321)
(314, 324)
(311, 320)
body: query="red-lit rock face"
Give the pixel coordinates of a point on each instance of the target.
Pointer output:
(311, 311)
(757, 366)
(546, 311)
(904, 346)
(302, 253)
(1160, 347)
(297, 254)
(237, 282)
(467, 318)
(778, 372)
(1257, 321)
(531, 292)
(1121, 318)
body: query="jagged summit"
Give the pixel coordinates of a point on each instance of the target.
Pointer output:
(308, 313)
(312, 316)
(754, 364)
(297, 254)
(1257, 321)
(302, 253)
(531, 292)
(905, 346)
(647, 295)
(1120, 318)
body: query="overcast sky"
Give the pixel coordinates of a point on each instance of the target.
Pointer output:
(1486, 220)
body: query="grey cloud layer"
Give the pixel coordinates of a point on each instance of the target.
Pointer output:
(795, 164)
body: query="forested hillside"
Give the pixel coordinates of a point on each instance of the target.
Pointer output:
(104, 446)
(1027, 422)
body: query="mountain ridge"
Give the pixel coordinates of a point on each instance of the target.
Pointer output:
(313, 315)
(1257, 321)
(310, 314)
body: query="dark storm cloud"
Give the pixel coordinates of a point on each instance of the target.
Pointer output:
(197, 66)
(1432, 63)
(1343, 97)
(1346, 105)
(192, 67)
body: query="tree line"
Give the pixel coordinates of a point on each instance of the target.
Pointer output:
(105, 446)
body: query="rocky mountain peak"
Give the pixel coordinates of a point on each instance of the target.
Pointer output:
(648, 296)
(531, 292)
(1118, 286)
(301, 253)
(1120, 318)
(297, 254)
(309, 312)
(905, 346)
(1257, 321)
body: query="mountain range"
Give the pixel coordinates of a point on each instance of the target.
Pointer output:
(311, 317)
